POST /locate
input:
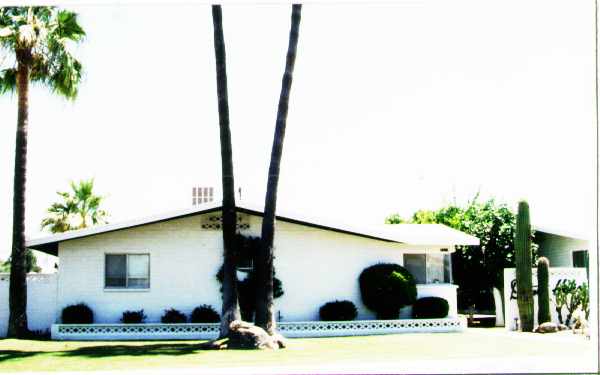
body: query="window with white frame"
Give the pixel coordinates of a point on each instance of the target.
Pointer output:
(429, 268)
(127, 271)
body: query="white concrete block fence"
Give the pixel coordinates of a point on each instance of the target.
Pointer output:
(41, 301)
(556, 274)
(209, 331)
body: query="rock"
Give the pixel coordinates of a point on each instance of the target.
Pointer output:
(215, 344)
(550, 327)
(244, 335)
(281, 341)
(581, 325)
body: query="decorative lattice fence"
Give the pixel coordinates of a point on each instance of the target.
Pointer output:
(208, 331)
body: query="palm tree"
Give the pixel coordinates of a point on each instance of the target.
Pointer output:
(264, 296)
(77, 210)
(35, 41)
(230, 310)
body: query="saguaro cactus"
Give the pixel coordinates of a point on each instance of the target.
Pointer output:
(543, 295)
(523, 267)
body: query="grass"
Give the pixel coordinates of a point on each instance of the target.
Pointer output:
(30, 355)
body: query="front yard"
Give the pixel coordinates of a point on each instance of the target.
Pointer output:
(493, 345)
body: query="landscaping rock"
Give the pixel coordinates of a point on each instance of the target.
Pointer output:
(244, 335)
(550, 327)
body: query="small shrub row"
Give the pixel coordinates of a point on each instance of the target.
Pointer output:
(430, 308)
(423, 308)
(133, 317)
(82, 314)
(338, 310)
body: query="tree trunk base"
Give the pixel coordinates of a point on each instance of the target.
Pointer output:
(244, 335)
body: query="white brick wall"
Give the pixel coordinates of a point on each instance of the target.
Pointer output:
(183, 262)
(314, 265)
(41, 301)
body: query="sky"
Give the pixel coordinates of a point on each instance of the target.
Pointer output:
(395, 107)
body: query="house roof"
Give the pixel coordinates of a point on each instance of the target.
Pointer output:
(572, 234)
(414, 234)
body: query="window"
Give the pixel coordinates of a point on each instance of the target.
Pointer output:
(245, 264)
(415, 264)
(580, 258)
(127, 271)
(429, 268)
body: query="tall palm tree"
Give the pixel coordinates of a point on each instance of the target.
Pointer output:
(264, 296)
(34, 42)
(230, 310)
(78, 210)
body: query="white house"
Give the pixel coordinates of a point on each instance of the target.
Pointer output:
(170, 261)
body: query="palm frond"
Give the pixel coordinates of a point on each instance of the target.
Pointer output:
(77, 209)
(44, 32)
(8, 80)
(68, 27)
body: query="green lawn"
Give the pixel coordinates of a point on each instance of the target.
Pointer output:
(27, 355)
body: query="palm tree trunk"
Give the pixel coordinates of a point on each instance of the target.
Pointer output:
(17, 321)
(230, 309)
(264, 295)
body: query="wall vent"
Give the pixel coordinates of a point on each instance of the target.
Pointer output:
(215, 222)
(202, 195)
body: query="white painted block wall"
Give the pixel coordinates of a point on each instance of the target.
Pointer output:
(315, 266)
(41, 301)
(183, 262)
(511, 309)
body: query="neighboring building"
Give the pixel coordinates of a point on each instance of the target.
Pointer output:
(562, 249)
(170, 261)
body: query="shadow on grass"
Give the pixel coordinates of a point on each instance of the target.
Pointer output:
(16, 354)
(100, 351)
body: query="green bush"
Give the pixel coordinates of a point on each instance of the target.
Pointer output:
(385, 288)
(430, 308)
(338, 310)
(173, 316)
(77, 314)
(205, 314)
(133, 317)
(584, 298)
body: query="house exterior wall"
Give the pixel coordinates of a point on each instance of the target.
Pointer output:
(315, 266)
(558, 249)
(183, 262)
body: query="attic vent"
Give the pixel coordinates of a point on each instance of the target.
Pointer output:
(202, 195)
(215, 222)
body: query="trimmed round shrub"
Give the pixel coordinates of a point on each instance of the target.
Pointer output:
(133, 317)
(77, 314)
(430, 308)
(205, 314)
(387, 287)
(173, 316)
(338, 310)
